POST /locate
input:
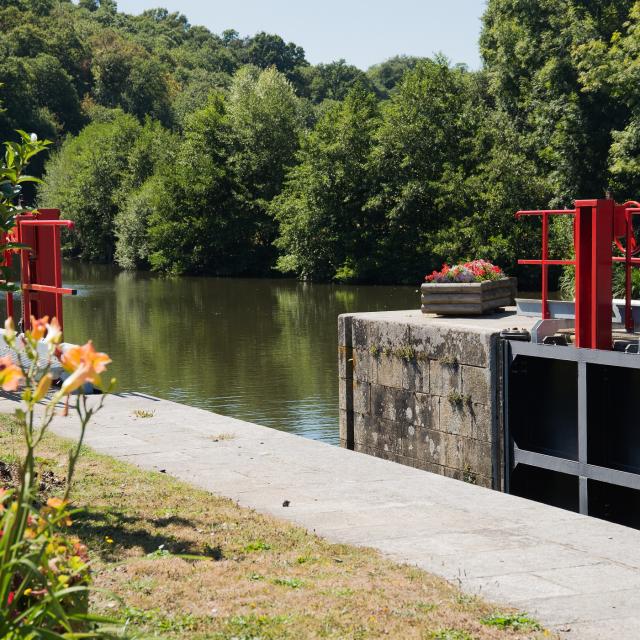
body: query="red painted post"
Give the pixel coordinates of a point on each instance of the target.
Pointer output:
(602, 289)
(41, 264)
(628, 315)
(593, 240)
(582, 239)
(545, 267)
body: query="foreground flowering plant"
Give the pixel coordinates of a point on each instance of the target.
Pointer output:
(475, 271)
(44, 571)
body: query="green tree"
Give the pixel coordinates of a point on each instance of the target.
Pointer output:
(266, 50)
(265, 119)
(533, 52)
(503, 179)
(333, 81)
(194, 224)
(153, 150)
(126, 76)
(85, 180)
(326, 231)
(424, 155)
(54, 90)
(388, 74)
(608, 67)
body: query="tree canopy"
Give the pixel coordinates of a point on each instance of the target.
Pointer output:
(186, 151)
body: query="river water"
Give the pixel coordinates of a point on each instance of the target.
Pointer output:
(262, 350)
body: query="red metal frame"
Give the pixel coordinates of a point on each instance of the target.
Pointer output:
(597, 225)
(545, 262)
(41, 265)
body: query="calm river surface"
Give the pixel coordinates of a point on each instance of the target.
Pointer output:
(259, 350)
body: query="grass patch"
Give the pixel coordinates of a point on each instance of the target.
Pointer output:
(185, 563)
(221, 437)
(450, 634)
(292, 583)
(511, 621)
(259, 545)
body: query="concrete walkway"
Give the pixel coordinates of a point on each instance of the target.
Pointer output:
(577, 575)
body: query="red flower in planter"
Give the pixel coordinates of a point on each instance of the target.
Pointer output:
(474, 271)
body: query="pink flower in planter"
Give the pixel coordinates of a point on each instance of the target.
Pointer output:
(474, 271)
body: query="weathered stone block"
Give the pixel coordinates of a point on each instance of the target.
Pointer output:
(346, 426)
(480, 458)
(467, 455)
(377, 434)
(436, 341)
(409, 446)
(362, 430)
(345, 362)
(388, 370)
(456, 474)
(416, 375)
(345, 394)
(345, 330)
(426, 411)
(389, 336)
(362, 397)
(429, 466)
(465, 420)
(444, 378)
(363, 363)
(454, 419)
(360, 337)
(476, 383)
(484, 481)
(481, 421)
(392, 404)
(431, 446)
(453, 448)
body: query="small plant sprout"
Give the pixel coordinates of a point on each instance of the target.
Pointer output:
(406, 352)
(449, 361)
(143, 413)
(221, 437)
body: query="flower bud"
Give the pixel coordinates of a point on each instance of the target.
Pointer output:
(43, 387)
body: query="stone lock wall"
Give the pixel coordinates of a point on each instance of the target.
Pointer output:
(422, 391)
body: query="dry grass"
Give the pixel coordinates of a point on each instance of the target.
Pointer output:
(258, 578)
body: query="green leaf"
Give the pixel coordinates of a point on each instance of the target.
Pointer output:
(28, 179)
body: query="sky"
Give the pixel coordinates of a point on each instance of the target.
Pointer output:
(363, 32)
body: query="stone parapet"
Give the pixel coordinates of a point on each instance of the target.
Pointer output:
(424, 391)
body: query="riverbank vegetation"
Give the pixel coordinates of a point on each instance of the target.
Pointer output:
(185, 151)
(186, 563)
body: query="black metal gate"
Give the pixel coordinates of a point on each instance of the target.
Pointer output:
(572, 428)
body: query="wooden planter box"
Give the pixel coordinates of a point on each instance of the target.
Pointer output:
(467, 298)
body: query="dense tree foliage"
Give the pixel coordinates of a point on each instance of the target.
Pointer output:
(186, 151)
(326, 230)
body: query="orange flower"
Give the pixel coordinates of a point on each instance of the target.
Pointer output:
(39, 327)
(10, 374)
(55, 503)
(85, 365)
(54, 332)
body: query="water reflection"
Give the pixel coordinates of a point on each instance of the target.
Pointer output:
(259, 350)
